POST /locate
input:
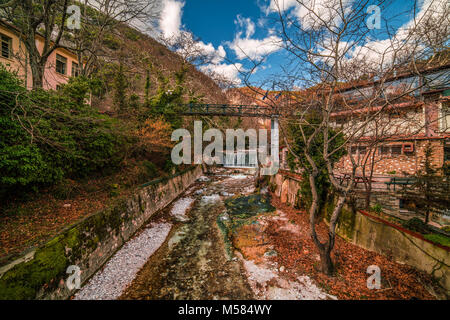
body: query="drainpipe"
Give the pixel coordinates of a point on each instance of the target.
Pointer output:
(274, 149)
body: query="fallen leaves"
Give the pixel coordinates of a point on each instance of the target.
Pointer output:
(298, 254)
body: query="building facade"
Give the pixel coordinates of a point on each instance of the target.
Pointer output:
(395, 142)
(61, 64)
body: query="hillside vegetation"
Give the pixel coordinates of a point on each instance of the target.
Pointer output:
(148, 65)
(65, 154)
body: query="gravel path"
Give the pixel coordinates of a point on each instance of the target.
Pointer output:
(119, 272)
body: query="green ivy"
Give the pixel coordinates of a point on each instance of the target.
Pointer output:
(298, 147)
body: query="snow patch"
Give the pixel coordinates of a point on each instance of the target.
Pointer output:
(238, 177)
(210, 199)
(259, 277)
(199, 192)
(180, 207)
(259, 274)
(122, 268)
(249, 190)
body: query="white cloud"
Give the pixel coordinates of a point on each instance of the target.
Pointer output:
(406, 36)
(224, 72)
(170, 19)
(246, 47)
(311, 13)
(246, 23)
(174, 35)
(253, 48)
(193, 50)
(215, 56)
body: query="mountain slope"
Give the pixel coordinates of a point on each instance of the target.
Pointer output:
(140, 55)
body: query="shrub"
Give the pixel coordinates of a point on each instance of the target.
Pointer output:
(152, 170)
(417, 225)
(272, 187)
(446, 229)
(46, 137)
(64, 190)
(377, 208)
(114, 190)
(170, 168)
(111, 41)
(132, 35)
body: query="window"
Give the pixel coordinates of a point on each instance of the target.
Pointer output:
(445, 116)
(396, 150)
(6, 46)
(395, 115)
(61, 64)
(358, 149)
(75, 69)
(385, 150)
(447, 152)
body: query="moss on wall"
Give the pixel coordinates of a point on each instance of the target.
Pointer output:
(42, 275)
(50, 262)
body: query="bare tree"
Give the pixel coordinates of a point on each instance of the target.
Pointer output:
(38, 18)
(99, 21)
(332, 55)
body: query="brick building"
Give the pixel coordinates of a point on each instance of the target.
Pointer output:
(403, 129)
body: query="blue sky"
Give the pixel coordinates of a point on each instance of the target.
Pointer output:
(230, 27)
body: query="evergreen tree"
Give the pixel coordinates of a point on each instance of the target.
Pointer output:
(430, 188)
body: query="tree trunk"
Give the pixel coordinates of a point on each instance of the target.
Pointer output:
(326, 248)
(427, 217)
(325, 261)
(37, 74)
(368, 196)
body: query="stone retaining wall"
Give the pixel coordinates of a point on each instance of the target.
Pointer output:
(88, 244)
(403, 246)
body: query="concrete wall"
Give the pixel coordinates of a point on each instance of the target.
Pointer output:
(403, 246)
(88, 244)
(287, 186)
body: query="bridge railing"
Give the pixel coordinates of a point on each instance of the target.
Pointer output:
(228, 110)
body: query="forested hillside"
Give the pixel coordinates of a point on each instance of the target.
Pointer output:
(148, 64)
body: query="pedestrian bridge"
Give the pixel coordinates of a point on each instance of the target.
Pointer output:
(229, 110)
